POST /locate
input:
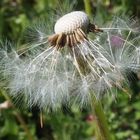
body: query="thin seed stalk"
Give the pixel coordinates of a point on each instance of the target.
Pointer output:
(102, 130)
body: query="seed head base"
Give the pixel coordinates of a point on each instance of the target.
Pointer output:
(72, 29)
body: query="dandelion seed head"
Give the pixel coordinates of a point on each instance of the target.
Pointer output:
(71, 22)
(72, 29)
(70, 67)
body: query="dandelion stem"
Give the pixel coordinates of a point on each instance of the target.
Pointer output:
(102, 130)
(88, 8)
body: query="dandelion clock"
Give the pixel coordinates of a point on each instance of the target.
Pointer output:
(68, 67)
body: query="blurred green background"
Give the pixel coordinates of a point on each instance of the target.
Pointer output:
(69, 124)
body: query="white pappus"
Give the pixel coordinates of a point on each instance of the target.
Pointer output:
(70, 67)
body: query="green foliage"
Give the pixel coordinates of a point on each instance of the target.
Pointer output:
(124, 117)
(68, 124)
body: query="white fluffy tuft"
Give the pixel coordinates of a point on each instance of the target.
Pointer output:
(50, 78)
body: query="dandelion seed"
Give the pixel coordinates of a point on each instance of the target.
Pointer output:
(72, 29)
(65, 67)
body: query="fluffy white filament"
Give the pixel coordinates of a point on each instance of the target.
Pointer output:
(49, 78)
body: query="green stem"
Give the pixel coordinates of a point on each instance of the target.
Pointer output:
(88, 7)
(102, 130)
